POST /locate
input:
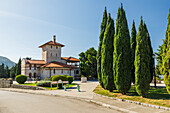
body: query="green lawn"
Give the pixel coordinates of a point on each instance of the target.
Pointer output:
(157, 96)
(49, 88)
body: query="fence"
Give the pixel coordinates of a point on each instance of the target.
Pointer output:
(5, 83)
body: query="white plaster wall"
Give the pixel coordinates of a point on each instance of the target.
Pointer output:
(23, 70)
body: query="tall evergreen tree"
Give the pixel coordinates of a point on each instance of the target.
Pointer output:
(142, 61)
(18, 68)
(13, 71)
(2, 71)
(151, 53)
(133, 47)
(121, 55)
(107, 56)
(165, 70)
(103, 27)
(7, 72)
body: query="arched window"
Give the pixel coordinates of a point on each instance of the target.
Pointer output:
(51, 54)
(56, 47)
(51, 46)
(30, 75)
(77, 71)
(56, 54)
(35, 75)
(30, 66)
(54, 71)
(62, 71)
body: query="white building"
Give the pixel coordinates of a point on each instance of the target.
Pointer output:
(51, 64)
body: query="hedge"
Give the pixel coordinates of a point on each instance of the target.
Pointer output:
(21, 79)
(59, 77)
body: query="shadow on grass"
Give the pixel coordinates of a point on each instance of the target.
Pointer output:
(153, 93)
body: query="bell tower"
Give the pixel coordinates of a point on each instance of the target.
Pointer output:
(51, 51)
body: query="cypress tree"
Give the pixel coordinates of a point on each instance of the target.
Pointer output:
(151, 53)
(166, 56)
(121, 55)
(18, 68)
(133, 47)
(107, 56)
(142, 61)
(103, 27)
(7, 72)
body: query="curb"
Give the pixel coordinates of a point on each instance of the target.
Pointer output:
(78, 98)
(135, 102)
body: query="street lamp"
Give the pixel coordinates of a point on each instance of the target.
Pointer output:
(154, 70)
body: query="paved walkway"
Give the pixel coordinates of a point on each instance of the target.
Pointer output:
(86, 90)
(87, 94)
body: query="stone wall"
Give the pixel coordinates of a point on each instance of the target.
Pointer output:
(5, 83)
(27, 87)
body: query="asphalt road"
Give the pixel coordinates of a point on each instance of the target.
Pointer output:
(14, 102)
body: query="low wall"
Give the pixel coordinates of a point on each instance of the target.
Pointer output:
(27, 87)
(5, 83)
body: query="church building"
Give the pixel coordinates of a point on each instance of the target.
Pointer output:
(51, 64)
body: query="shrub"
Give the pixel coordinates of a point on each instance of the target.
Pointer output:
(58, 77)
(44, 84)
(52, 77)
(46, 79)
(21, 79)
(70, 79)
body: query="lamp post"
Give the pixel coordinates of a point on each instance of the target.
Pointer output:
(154, 71)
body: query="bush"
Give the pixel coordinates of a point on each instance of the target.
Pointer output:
(21, 79)
(58, 77)
(44, 84)
(70, 79)
(52, 77)
(46, 79)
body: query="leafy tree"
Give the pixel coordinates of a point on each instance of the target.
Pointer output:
(18, 68)
(166, 56)
(88, 63)
(142, 61)
(121, 56)
(159, 60)
(107, 56)
(133, 47)
(103, 27)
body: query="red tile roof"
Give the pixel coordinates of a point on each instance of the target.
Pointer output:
(36, 62)
(56, 64)
(70, 59)
(52, 43)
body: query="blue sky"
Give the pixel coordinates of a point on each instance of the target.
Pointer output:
(26, 24)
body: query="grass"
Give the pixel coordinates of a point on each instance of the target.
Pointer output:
(157, 96)
(49, 88)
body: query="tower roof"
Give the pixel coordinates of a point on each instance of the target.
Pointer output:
(52, 43)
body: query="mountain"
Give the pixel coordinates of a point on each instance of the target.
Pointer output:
(6, 61)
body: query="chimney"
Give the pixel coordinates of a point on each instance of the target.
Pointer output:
(54, 39)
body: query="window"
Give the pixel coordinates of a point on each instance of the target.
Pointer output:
(51, 54)
(54, 71)
(30, 75)
(56, 54)
(51, 46)
(56, 47)
(30, 66)
(62, 71)
(77, 71)
(34, 67)
(35, 75)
